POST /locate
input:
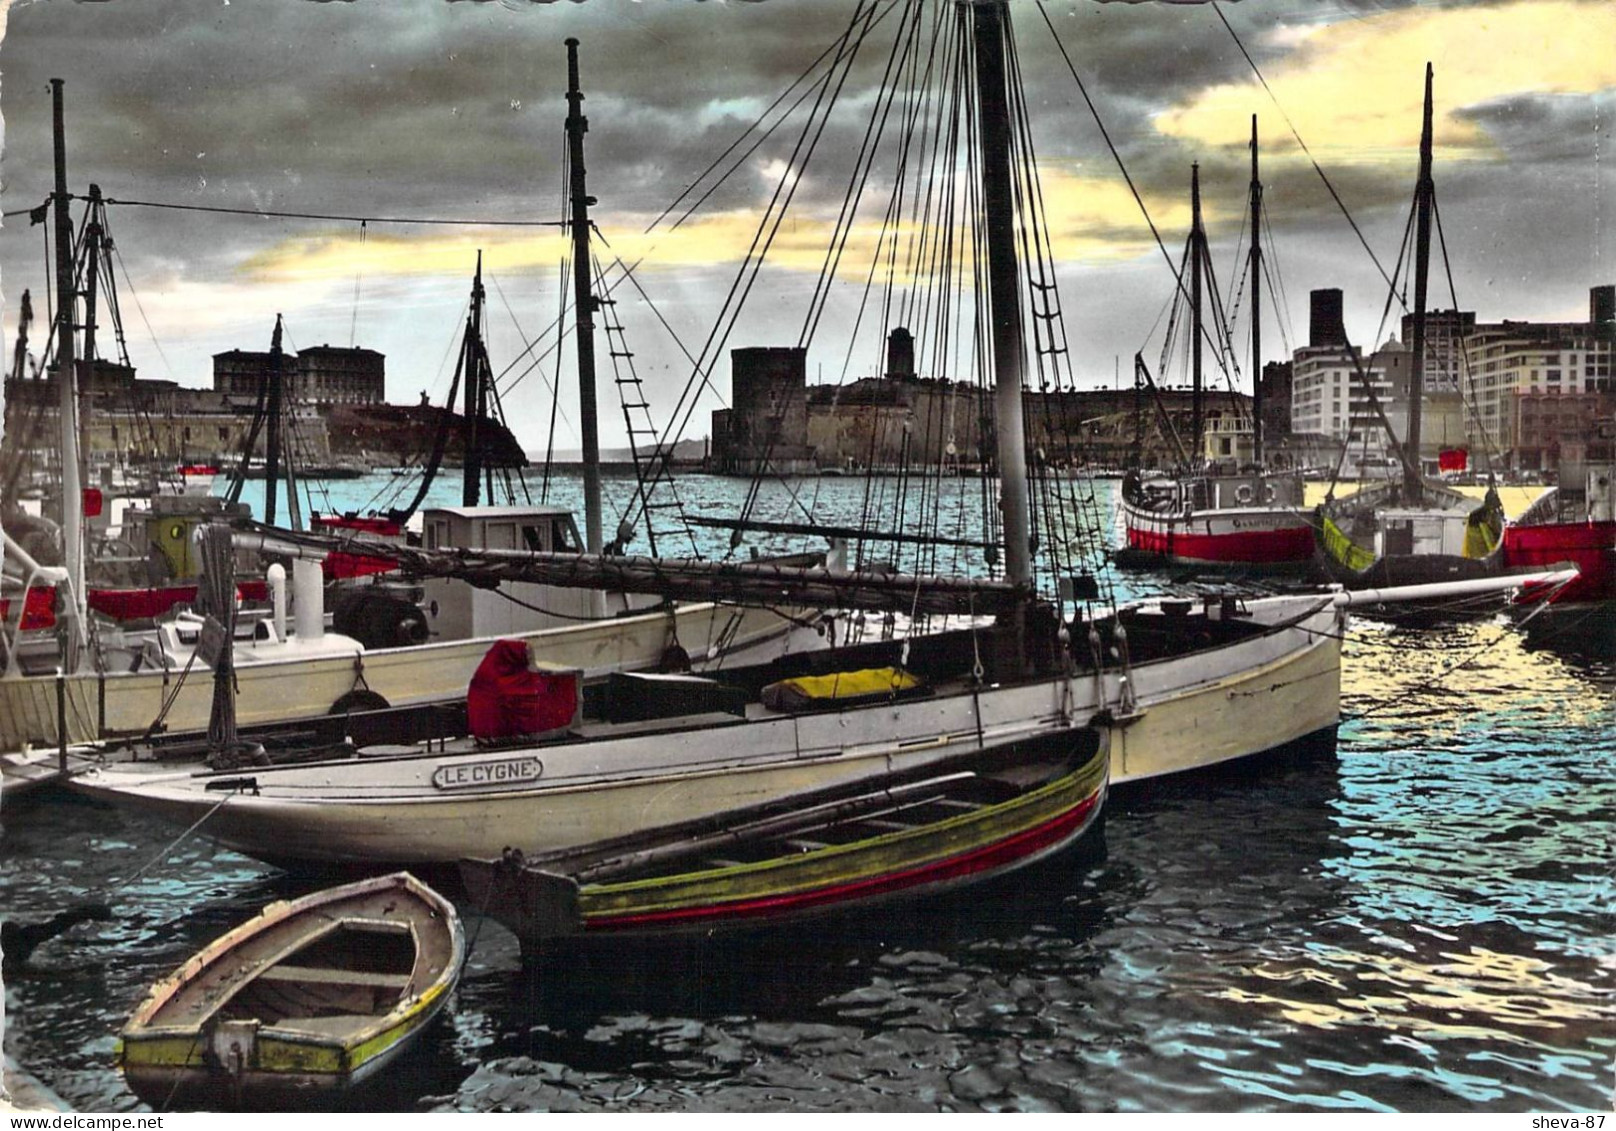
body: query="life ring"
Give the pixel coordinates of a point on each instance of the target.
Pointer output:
(1268, 492)
(1242, 493)
(359, 699)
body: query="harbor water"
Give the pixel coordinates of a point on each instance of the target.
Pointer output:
(1421, 918)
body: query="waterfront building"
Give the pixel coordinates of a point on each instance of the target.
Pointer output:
(1540, 389)
(319, 375)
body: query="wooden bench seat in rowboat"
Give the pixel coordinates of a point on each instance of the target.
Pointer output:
(329, 976)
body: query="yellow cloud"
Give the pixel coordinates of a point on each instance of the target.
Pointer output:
(1354, 88)
(1089, 218)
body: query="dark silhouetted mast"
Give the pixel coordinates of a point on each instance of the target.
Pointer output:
(990, 30)
(1197, 253)
(1424, 193)
(476, 403)
(272, 445)
(1256, 304)
(584, 302)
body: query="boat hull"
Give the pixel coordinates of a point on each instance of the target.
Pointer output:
(1276, 538)
(906, 863)
(196, 1040)
(1591, 546)
(1164, 716)
(100, 705)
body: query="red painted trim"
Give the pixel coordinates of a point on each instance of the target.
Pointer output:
(154, 601)
(339, 565)
(1065, 826)
(1284, 546)
(1590, 546)
(367, 525)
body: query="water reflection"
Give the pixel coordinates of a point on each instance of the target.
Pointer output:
(1419, 920)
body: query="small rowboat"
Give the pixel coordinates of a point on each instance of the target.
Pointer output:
(971, 819)
(309, 998)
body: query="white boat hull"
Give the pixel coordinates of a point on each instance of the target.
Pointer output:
(115, 704)
(1170, 715)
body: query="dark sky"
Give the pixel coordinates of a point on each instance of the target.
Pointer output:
(431, 108)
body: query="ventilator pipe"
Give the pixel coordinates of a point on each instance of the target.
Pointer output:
(308, 600)
(276, 576)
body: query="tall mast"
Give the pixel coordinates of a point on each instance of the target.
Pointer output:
(476, 395)
(272, 445)
(1424, 193)
(19, 353)
(584, 301)
(989, 30)
(67, 386)
(1197, 250)
(92, 263)
(1256, 303)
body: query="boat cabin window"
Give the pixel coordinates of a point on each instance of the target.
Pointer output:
(533, 539)
(499, 536)
(435, 535)
(564, 536)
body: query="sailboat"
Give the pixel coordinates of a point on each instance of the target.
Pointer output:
(1412, 529)
(1176, 685)
(1220, 514)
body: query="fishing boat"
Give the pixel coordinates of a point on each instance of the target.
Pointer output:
(959, 823)
(1232, 511)
(1176, 684)
(309, 998)
(1574, 522)
(1413, 529)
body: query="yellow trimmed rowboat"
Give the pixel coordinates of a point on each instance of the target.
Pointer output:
(967, 820)
(312, 996)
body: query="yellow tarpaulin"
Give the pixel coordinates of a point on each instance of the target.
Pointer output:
(1343, 550)
(837, 687)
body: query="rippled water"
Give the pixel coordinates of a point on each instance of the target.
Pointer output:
(1420, 920)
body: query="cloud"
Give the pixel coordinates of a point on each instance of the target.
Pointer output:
(1354, 88)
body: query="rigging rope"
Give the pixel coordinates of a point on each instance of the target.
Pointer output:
(340, 217)
(1335, 196)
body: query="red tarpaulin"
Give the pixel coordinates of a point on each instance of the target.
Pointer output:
(508, 699)
(38, 611)
(1452, 459)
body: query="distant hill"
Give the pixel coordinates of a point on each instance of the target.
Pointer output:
(683, 450)
(397, 435)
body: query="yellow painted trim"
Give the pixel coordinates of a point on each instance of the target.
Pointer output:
(846, 863)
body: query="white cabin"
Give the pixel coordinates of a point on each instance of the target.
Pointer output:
(458, 611)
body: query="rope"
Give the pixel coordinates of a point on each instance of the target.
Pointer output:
(1464, 661)
(341, 217)
(1316, 167)
(173, 844)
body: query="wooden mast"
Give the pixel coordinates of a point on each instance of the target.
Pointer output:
(1256, 305)
(1424, 193)
(584, 301)
(272, 444)
(1197, 252)
(990, 28)
(476, 394)
(67, 388)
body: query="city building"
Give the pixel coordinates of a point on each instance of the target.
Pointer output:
(318, 375)
(1539, 389)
